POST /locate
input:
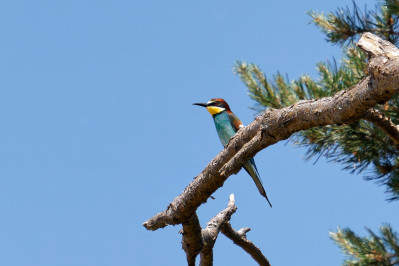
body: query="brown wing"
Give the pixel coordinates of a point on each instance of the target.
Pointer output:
(235, 122)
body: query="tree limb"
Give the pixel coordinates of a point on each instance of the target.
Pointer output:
(196, 240)
(375, 46)
(210, 233)
(192, 239)
(385, 123)
(240, 239)
(274, 125)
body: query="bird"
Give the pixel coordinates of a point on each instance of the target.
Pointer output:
(227, 124)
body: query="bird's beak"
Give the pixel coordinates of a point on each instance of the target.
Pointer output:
(201, 104)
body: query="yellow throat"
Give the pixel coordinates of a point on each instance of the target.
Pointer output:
(213, 110)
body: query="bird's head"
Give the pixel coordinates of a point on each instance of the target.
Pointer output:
(215, 106)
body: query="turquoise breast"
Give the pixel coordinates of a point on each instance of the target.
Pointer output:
(223, 127)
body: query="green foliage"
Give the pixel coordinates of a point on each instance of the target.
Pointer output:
(358, 145)
(344, 25)
(279, 92)
(375, 250)
(275, 94)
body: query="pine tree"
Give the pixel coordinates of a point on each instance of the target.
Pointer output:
(376, 250)
(365, 144)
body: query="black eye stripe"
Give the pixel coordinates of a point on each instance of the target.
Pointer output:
(216, 104)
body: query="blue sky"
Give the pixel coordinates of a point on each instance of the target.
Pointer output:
(98, 133)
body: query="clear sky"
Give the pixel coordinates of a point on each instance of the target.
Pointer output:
(98, 133)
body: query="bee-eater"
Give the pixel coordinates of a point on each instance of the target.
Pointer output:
(227, 124)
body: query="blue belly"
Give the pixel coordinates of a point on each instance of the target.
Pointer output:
(224, 127)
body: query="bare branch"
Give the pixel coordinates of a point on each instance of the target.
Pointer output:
(376, 46)
(243, 232)
(385, 123)
(274, 125)
(196, 240)
(192, 239)
(210, 233)
(240, 239)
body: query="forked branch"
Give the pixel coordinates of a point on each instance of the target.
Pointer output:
(210, 233)
(197, 240)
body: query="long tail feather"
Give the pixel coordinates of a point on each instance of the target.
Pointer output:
(250, 167)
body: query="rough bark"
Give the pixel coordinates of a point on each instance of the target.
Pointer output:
(275, 125)
(210, 233)
(385, 123)
(197, 240)
(192, 242)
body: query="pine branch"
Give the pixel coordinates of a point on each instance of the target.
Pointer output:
(279, 92)
(392, 6)
(343, 26)
(274, 125)
(355, 145)
(375, 250)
